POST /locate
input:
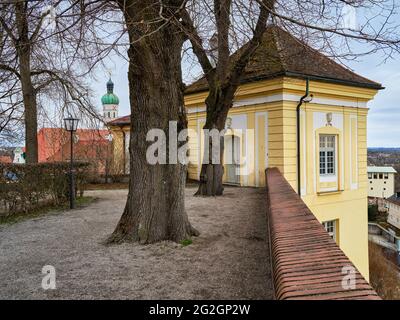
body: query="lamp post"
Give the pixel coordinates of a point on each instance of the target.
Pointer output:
(71, 124)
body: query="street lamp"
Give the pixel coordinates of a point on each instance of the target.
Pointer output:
(71, 124)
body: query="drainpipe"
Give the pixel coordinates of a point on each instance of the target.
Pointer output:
(302, 99)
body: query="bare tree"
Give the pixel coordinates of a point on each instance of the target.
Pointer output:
(155, 208)
(223, 79)
(324, 24)
(45, 53)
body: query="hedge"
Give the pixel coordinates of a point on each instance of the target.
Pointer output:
(26, 186)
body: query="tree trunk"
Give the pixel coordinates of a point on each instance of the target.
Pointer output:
(211, 174)
(28, 91)
(155, 208)
(30, 110)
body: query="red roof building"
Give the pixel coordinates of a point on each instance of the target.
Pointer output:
(5, 159)
(90, 145)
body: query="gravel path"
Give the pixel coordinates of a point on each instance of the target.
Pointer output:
(229, 260)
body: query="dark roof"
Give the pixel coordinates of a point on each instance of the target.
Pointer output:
(281, 54)
(125, 120)
(394, 199)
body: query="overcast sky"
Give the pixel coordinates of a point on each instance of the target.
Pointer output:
(383, 118)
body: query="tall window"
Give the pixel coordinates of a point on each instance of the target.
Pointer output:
(330, 227)
(327, 154)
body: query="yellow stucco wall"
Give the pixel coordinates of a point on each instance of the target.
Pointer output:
(344, 200)
(118, 144)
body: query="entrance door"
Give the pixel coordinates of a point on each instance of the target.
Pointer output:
(232, 159)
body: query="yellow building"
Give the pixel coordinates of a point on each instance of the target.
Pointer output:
(262, 132)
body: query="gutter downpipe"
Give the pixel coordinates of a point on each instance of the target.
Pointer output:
(298, 136)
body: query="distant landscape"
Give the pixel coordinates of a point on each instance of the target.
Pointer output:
(385, 149)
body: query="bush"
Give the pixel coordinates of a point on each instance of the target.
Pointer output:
(24, 187)
(372, 212)
(117, 178)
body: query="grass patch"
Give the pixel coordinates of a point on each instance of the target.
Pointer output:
(186, 242)
(80, 202)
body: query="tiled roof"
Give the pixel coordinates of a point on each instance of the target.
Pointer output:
(381, 169)
(281, 54)
(307, 263)
(125, 120)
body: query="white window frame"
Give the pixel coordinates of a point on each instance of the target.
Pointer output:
(330, 228)
(328, 176)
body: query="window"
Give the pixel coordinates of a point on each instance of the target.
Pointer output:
(372, 188)
(375, 176)
(369, 175)
(327, 154)
(370, 182)
(330, 227)
(381, 176)
(386, 176)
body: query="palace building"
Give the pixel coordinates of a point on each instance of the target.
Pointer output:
(267, 123)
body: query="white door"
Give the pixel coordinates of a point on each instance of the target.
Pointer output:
(232, 159)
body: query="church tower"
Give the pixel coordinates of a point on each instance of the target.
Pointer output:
(110, 103)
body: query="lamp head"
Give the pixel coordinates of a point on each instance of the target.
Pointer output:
(71, 124)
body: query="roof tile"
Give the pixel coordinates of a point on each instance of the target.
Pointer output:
(281, 54)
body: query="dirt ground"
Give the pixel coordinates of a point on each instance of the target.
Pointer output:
(229, 260)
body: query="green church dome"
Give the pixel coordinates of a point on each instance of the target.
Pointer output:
(110, 97)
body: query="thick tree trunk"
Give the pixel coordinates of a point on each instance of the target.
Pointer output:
(155, 208)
